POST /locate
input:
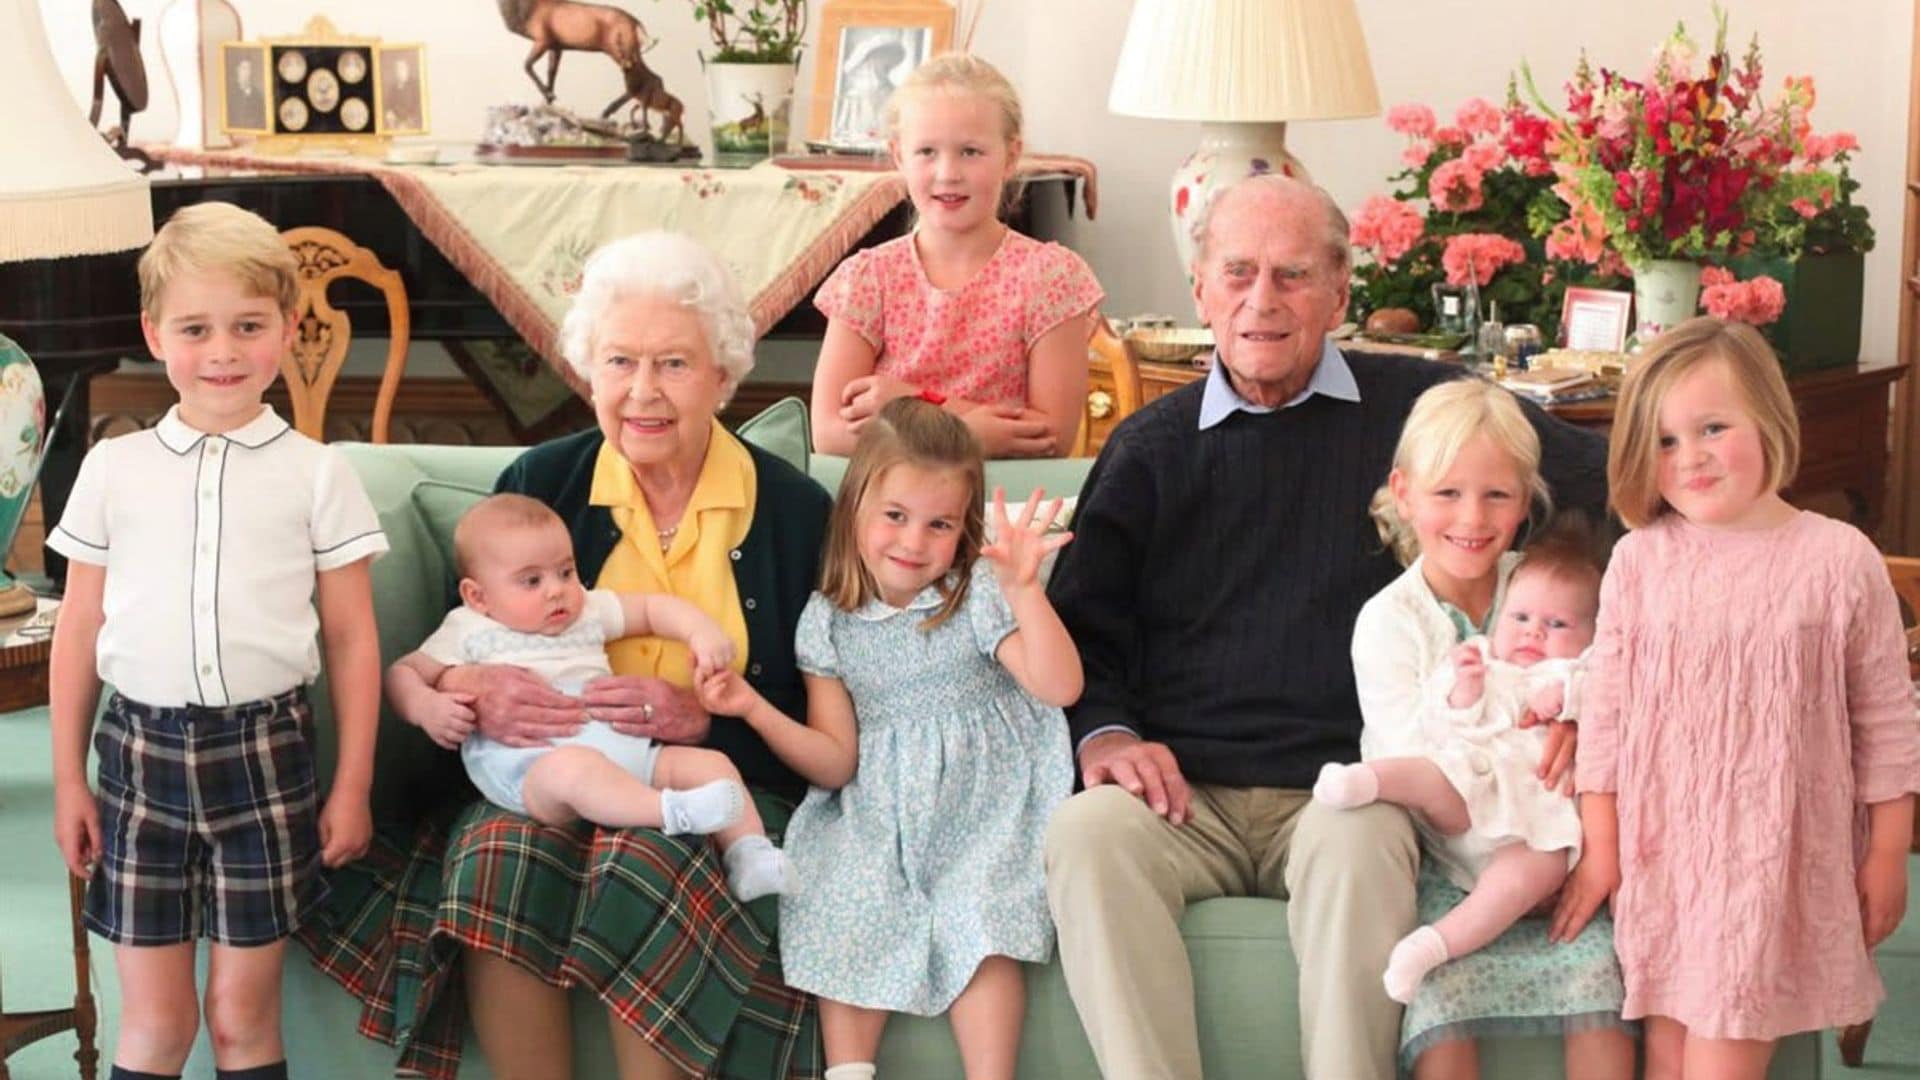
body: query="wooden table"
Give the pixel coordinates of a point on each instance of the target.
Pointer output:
(1843, 425)
(25, 644)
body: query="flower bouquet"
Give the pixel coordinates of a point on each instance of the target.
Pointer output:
(1472, 203)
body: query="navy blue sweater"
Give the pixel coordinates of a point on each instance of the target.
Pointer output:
(1215, 576)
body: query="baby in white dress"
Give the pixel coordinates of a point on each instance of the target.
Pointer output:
(1493, 826)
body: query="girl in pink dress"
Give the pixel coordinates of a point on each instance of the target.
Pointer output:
(963, 312)
(1748, 749)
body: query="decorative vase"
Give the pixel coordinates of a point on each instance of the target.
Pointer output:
(1666, 293)
(1820, 327)
(1227, 152)
(749, 106)
(23, 426)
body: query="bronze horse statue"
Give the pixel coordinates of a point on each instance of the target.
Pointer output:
(555, 26)
(649, 94)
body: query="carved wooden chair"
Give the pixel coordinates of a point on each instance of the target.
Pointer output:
(1125, 398)
(1905, 572)
(324, 332)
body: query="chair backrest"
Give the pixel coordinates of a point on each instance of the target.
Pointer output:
(324, 332)
(1905, 572)
(1107, 346)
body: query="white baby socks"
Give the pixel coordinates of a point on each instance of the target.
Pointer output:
(1418, 953)
(706, 809)
(1345, 787)
(755, 868)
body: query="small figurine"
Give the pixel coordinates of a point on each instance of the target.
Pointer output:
(649, 94)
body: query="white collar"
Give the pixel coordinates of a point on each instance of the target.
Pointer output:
(180, 437)
(878, 610)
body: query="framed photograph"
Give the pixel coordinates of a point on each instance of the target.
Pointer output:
(1595, 319)
(866, 48)
(244, 88)
(400, 89)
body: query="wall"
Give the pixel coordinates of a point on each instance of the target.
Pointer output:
(1061, 53)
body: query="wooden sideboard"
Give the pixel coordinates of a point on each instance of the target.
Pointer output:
(1843, 426)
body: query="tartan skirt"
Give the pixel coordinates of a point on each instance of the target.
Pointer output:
(642, 919)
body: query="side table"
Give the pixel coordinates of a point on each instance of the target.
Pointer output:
(25, 645)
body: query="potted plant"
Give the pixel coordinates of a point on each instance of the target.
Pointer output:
(1814, 243)
(750, 74)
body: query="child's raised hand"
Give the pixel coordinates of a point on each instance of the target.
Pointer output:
(1882, 882)
(448, 718)
(76, 827)
(712, 650)
(723, 692)
(1019, 546)
(1469, 676)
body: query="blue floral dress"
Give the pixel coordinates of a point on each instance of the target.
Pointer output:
(929, 860)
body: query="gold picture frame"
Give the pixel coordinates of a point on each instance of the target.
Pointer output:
(246, 94)
(865, 48)
(320, 91)
(400, 89)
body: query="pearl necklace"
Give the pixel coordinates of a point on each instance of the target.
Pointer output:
(666, 536)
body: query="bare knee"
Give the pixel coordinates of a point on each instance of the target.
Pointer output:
(691, 766)
(243, 1019)
(559, 770)
(158, 1033)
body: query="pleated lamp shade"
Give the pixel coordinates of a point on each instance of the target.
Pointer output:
(1243, 68)
(63, 190)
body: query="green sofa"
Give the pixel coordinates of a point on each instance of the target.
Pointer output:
(1243, 966)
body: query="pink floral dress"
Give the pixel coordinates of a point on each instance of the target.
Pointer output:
(971, 342)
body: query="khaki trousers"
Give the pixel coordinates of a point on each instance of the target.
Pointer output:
(1119, 877)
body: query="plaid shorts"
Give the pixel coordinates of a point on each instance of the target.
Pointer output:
(208, 822)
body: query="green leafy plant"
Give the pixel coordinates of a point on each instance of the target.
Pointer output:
(754, 31)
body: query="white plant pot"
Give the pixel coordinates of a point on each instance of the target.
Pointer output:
(1666, 293)
(749, 107)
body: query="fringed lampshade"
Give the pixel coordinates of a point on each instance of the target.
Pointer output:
(1243, 68)
(63, 193)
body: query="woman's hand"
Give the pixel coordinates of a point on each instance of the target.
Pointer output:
(1019, 546)
(512, 705)
(648, 707)
(862, 397)
(1012, 431)
(1593, 882)
(1882, 882)
(76, 827)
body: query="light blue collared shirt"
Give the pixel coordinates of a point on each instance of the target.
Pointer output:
(1331, 376)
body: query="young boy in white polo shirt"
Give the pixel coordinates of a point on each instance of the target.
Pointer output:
(197, 550)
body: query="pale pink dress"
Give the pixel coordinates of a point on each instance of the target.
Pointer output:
(971, 342)
(1747, 697)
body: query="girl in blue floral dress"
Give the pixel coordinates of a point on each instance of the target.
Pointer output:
(936, 670)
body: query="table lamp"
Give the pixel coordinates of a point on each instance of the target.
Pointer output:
(64, 193)
(1243, 68)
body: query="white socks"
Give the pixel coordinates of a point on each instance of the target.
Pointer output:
(1418, 953)
(755, 868)
(1345, 787)
(706, 809)
(852, 1070)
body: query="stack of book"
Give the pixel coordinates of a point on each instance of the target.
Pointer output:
(1548, 384)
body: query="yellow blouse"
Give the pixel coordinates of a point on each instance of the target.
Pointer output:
(697, 566)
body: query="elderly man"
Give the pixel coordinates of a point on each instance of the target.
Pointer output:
(1223, 552)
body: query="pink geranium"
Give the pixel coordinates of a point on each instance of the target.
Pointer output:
(1413, 120)
(1819, 148)
(1387, 227)
(1479, 256)
(1756, 302)
(1416, 153)
(1478, 117)
(1485, 156)
(1450, 136)
(1455, 186)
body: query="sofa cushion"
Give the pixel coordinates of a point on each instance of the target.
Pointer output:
(783, 430)
(440, 503)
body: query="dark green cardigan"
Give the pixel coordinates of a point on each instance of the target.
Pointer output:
(776, 567)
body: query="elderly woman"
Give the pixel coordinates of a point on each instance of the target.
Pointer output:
(660, 498)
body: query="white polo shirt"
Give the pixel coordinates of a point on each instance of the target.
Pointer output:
(212, 544)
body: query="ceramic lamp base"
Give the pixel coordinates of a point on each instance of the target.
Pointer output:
(1227, 152)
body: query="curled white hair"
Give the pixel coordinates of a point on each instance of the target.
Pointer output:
(670, 265)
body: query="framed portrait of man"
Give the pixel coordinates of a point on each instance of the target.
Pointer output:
(400, 96)
(244, 88)
(866, 48)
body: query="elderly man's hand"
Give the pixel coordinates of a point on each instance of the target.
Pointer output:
(648, 707)
(512, 705)
(1146, 769)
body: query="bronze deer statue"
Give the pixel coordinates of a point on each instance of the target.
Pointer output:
(649, 94)
(556, 26)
